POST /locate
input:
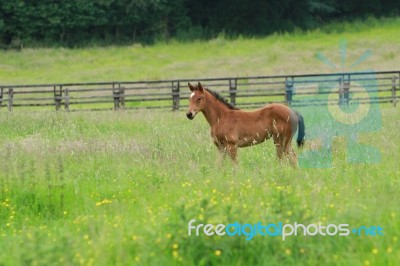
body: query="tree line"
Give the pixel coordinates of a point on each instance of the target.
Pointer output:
(80, 22)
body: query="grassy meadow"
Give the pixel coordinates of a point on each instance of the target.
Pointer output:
(119, 187)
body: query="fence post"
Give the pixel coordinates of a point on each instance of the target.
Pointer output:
(1, 97)
(394, 98)
(115, 97)
(57, 97)
(10, 99)
(289, 90)
(344, 87)
(66, 97)
(232, 91)
(175, 95)
(122, 96)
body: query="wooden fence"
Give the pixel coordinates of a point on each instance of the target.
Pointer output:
(244, 92)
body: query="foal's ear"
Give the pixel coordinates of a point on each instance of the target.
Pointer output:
(191, 86)
(200, 86)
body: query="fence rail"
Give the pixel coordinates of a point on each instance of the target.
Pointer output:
(294, 90)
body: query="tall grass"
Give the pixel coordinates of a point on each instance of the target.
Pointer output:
(119, 188)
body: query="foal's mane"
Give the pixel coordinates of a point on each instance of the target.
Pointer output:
(221, 99)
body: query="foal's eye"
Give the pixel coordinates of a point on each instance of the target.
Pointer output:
(198, 100)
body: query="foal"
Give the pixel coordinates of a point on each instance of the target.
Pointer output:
(232, 128)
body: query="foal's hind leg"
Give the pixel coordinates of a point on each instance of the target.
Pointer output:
(289, 152)
(283, 146)
(278, 145)
(293, 157)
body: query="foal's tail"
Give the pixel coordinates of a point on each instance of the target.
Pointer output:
(302, 134)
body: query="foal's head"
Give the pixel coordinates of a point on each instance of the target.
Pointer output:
(197, 100)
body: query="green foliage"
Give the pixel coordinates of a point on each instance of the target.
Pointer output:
(79, 22)
(220, 57)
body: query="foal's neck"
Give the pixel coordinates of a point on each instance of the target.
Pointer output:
(214, 109)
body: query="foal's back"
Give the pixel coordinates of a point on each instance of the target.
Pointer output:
(269, 114)
(254, 127)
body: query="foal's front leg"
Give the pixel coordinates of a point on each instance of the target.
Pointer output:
(231, 149)
(221, 153)
(227, 148)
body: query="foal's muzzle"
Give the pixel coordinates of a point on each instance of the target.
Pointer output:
(190, 115)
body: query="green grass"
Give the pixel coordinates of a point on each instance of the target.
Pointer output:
(277, 54)
(118, 188)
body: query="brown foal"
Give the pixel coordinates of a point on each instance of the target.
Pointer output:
(232, 128)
